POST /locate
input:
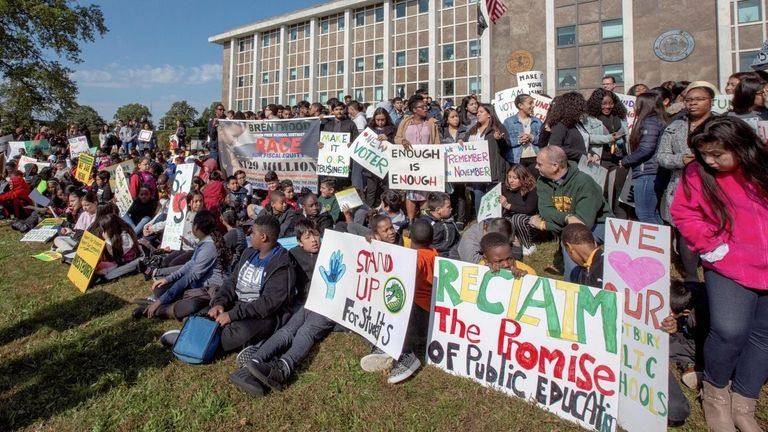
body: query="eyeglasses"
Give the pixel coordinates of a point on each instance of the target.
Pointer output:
(697, 100)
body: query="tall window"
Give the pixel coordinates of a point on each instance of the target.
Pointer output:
(613, 29)
(448, 52)
(378, 93)
(566, 78)
(359, 64)
(474, 85)
(400, 58)
(474, 48)
(379, 60)
(745, 60)
(566, 36)
(379, 14)
(400, 9)
(423, 55)
(616, 71)
(323, 69)
(448, 88)
(340, 67)
(749, 11)
(292, 74)
(360, 18)
(323, 97)
(359, 95)
(423, 6)
(265, 77)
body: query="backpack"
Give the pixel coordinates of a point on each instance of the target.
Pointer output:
(198, 341)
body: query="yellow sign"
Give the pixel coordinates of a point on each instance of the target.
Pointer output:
(84, 168)
(520, 61)
(84, 265)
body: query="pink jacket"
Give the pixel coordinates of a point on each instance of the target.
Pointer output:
(747, 260)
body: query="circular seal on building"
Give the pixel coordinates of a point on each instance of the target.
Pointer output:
(394, 295)
(673, 45)
(520, 61)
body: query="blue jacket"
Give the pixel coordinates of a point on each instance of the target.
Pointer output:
(643, 160)
(514, 130)
(194, 273)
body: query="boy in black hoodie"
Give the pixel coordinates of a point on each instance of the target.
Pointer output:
(279, 208)
(586, 253)
(273, 363)
(438, 214)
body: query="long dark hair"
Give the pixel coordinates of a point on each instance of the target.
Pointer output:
(566, 109)
(114, 227)
(527, 181)
(493, 122)
(738, 137)
(648, 104)
(595, 101)
(463, 113)
(745, 92)
(372, 121)
(206, 223)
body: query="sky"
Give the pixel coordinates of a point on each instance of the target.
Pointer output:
(157, 52)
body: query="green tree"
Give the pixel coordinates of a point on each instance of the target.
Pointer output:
(82, 115)
(180, 110)
(206, 115)
(35, 35)
(135, 111)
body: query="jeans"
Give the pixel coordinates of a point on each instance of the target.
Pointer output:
(126, 147)
(737, 346)
(137, 228)
(646, 200)
(599, 232)
(296, 338)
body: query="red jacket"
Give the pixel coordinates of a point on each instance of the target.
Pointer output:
(19, 190)
(213, 195)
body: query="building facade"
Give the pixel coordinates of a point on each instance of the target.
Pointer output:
(375, 50)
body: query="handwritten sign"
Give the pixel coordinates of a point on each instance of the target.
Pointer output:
(422, 168)
(629, 104)
(468, 162)
(26, 160)
(348, 197)
(357, 284)
(541, 106)
(122, 191)
(490, 204)
(86, 258)
(532, 82)
(369, 152)
(145, 135)
(177, 211)
(637, 265)
(128, 166)
(77, 146)
(721, 104)
(551, 342)
(504, 102)
(84, 168)
(333, 158)
(15, 147)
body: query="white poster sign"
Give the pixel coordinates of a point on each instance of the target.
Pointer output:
(532, 82)
(348, 197)
(371, 153)
(420, 168)
(504, 103)
(333, 157)
(490, 204)
(468, 162)
(629, 104)
(177, 210)
(14, 148)
(541, 106)
(77, 145)
(145, 135)
(122, 191)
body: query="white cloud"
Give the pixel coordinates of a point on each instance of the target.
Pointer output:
(117, 76)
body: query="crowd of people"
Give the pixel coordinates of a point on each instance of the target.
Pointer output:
(703, 174)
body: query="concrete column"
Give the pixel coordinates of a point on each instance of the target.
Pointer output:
(232, 66)
(281, 73)
(628, 41)
(433, 57)
(347, 52)
(387, 84)
(312, 58)
(724, 42)
(551, 68)
(257, 71)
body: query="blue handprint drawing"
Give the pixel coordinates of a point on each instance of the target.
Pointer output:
(336, 269)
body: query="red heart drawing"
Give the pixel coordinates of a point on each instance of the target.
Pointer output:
(638, 273)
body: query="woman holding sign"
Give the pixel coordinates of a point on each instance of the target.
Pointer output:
(488, 128)
(721, 208)
(382, 125)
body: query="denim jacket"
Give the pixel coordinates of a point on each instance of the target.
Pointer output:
(514, 130)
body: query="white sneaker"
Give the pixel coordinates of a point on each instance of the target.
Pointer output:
(529, 251)
(376, 361)
(404, 368)
(168, 339)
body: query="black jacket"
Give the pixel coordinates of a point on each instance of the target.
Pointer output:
(643, 160)
(306, 262)
(322, 221)
(445, 234)
(592, 276)
(570, 139)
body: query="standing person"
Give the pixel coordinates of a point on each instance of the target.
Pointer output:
(213, 132)
(488, 128)
(733, 81)
(105, 136)
(650, 121)
(381, 124)
(452, 131)
(181, 134)
(749, 98)
(357, 115)
(127, 135)
(416, 129)
(608, 83)
(720, 208)
(674, 154)
(468, 110)
(523, 129)
(563, 125)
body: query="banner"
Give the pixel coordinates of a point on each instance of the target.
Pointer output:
(468, 162)
(177, 211)
(84, 168)
(348, 197)
(629, 104)
(490, 204)
(333, 158)
(541, 106)
(287, 147)
(86, 258)
(422, 168)
(122, 191)
(77, 145)
(637, 258)
(504, 102)
(532, 82)
(356, 284)
(145, 135)
(371, 153)
(551, 342)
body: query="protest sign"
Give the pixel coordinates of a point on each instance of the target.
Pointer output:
(287, 147)
(122, 191)
(551, 342)
(177, 211)
(77, 145)
(86, 258)
(173, 141)
(145, 135)
(421, 168)
(333, 158)
(14, 148)
(42, 146)
(504, 102)
(721, 104)
(532, 82)
(196, 144)
(4, 142)
(597, 172)
(629, 104)
(84, 168)
(541, 106)
(371, 153)
(490, 205)
(47, 256)
(349, 197)
(356, 284)
(39, 199)
(26, 160)
(40, 235)
(637, 261)
(468, 162)
(128, 166)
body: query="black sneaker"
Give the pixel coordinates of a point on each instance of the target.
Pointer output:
(274, 374)
(138, 313)
(246, 355)
(243, 380)
(404, 368)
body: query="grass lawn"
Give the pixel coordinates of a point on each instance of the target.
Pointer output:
(74, 362)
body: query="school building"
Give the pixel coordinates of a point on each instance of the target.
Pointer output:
(375, 50)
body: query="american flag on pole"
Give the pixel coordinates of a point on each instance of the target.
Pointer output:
(495, 8)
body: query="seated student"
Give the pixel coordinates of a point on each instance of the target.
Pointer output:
(242, 180)
(468, 248)
(278, 207)
(583, 249)
(234, 238)
(273, 184)
(311, 211)
(257, 298)
(290, 194)
(418, 324)
(392, 206)
(186, 290)
(520, 202)
(122, 245)
(68, 238)
(327, 199)
(141, 211)
(236, 195)
(102, 188)
(273, 363)
(497, 255)
(438, 214)
(214, 192)
(16, 198)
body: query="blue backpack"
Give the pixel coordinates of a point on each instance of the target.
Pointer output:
(198, 341)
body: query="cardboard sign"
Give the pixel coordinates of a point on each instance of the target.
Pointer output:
(38, 198)
(422, 168)
(86, 258)
(629, 104)
(504, 102)
(532, 82)
(333, 158)
(468, 162)
(543, 340)
(128, 166)
(357, 284)
(40, 235)
(77, 146)
(177, 211)
(122, 191)
(637, 259)
(84, 168)
(145, 135)
(47, 256)
(349, 197)
(597, 172)
(371, 153)
(490, 204)
(541, 106)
